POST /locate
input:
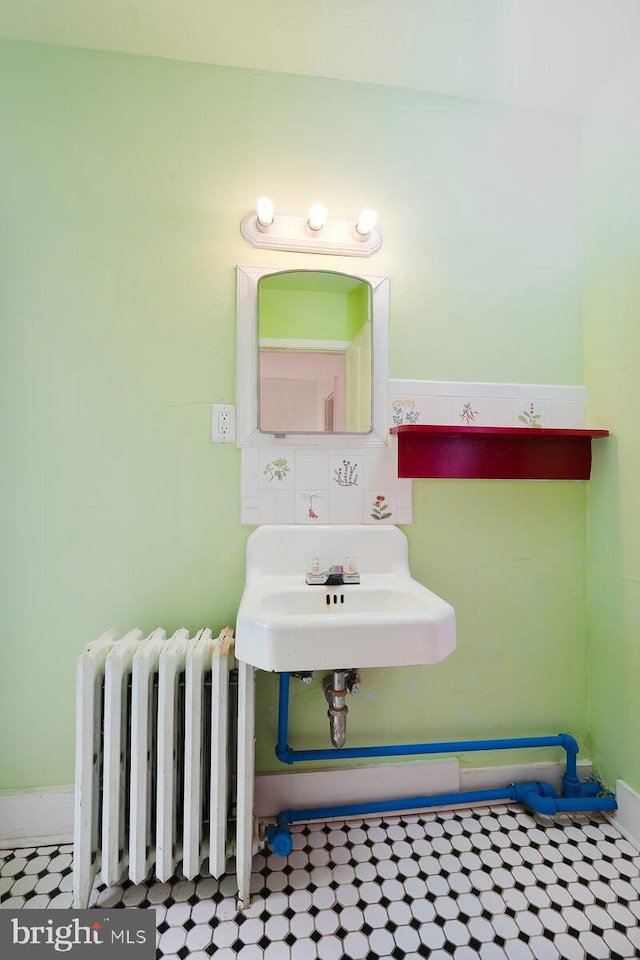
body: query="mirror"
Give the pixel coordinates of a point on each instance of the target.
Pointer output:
(315, 353)
(312, 357)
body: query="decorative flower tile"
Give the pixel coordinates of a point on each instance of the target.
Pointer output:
(312, 506)
(379, 506)
(488, 412)
(529, 414)
(467, 415)
(345, 471)
(276, 470)
(404, 411)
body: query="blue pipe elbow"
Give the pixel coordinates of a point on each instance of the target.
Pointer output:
(590, 788)
(523, 792)
(548, 806)
(280, 841)
(543, 804)
(543, 798)
(279, 836)
(569, 743)
(284, 754)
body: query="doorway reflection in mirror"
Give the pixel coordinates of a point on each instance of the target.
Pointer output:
(315, 353)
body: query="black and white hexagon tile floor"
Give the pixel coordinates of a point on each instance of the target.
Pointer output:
(492, 882)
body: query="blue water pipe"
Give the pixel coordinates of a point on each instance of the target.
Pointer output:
(543, 798)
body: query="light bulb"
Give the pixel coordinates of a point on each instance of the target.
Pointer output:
(264, 212)
(317, 216)
(366, 222)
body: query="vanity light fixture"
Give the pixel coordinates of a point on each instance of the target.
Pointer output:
(313, 233)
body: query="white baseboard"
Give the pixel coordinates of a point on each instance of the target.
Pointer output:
(36, 818)
(628, 819)
(313, 788)
(45, 816)
(490, 778)
(316, 788)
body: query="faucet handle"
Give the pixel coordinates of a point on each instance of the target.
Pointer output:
(335, 575)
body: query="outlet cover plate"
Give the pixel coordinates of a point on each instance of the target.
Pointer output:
(223, 423)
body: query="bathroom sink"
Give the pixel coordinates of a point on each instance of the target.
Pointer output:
(388, 619)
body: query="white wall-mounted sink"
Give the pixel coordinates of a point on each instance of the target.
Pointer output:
(388, 619)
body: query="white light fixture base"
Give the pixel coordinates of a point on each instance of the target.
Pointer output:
(289, 231)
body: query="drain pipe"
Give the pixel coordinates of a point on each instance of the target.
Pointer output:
(542, 798)
(335, 687)
(335, 693)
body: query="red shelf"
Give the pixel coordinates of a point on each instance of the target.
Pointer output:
(494, 453)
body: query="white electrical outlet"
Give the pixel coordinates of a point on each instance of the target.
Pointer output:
(223, 423)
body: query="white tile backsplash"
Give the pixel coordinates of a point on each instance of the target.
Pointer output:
(458, 388)
(276, 506)
(249, 473)
(438, 410)
(345, 505)
(567, 415)
(344, 483)
(249, 515)
(309, 491)
(380, 470)
(404, 492)
(311, 470)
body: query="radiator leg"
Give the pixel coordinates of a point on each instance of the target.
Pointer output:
(90, 672)
(245, 781)
(85, 814)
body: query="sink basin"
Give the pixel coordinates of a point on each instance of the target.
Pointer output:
(388, 619)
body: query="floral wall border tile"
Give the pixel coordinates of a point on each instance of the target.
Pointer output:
(458, 403)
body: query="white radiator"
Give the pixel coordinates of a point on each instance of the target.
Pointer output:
(154, 757)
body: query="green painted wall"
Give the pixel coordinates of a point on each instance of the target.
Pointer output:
(611, 208)
(124, 180)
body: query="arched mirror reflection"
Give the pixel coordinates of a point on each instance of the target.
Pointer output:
(349, 314)
(315, 355)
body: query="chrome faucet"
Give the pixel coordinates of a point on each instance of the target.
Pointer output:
(334, 576)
